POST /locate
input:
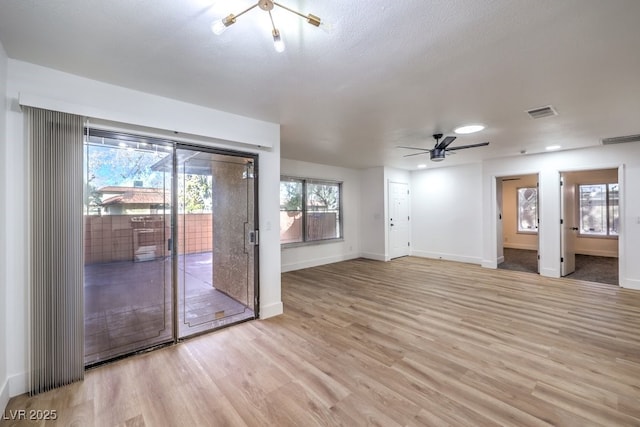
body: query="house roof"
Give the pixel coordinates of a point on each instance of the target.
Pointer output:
(389, 73)
(131, 195)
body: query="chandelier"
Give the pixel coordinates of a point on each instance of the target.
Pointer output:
(219, 26)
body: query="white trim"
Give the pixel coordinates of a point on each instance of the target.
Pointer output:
(622, 232)
(172, 115)
(488, 263)
(316, 262)
(630, 284)
(520, 246)
(271, 310)
(4, 395)
(449, 257)
(18, 384)
(550, 272)
(374, 256)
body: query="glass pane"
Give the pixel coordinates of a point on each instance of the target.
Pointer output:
(290, 211)
(215, 252)
(323, 211)
(127, 274)
(593, 209)
(528, 209)
(614, 211)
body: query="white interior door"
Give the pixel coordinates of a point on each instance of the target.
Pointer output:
(568, 227)
(398, 219)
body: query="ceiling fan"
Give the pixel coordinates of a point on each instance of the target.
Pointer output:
(439, 150)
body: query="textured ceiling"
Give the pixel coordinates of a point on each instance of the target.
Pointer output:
(389, 73)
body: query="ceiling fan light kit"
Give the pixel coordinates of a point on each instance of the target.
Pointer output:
(440, 150)
(219, 26)
(467, 129)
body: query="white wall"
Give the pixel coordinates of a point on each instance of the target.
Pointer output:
(295, 258)
(4, 243)
(372, 218)
(446, 205)
(549, 166)
(71, 91)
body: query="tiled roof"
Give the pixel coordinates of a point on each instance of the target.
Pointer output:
(152, 196)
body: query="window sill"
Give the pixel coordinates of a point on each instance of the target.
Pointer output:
(527, 232)
(311, 243)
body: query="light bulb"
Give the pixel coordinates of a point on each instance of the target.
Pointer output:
(278, 44)
(327, 27)
(218, 27)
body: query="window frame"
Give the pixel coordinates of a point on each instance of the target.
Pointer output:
(304, 211)
(537, 218)
(607, 210)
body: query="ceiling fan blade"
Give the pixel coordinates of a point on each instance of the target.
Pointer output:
(416, 154)
(414, 148)
(482, 144)
(445, 142)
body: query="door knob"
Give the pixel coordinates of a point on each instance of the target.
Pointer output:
(575, 228)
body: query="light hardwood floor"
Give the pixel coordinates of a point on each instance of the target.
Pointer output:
(410, 342)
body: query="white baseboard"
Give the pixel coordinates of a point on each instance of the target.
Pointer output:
(595, 252)
(520, 246)
(630, 284)
(316, 262)
(448, 257)
(550, 272)
(18, 384)
(4, 395)
(271, 310)
(373, 256)
(486, 263)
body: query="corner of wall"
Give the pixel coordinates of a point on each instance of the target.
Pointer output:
(4, 380)
(4, 395)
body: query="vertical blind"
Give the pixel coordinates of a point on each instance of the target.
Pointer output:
(56, 254)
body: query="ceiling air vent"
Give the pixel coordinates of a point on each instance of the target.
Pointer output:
(620, 139)
(538, 113)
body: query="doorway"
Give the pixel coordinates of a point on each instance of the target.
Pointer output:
(519, 214)
(589, 220)
(170, 242)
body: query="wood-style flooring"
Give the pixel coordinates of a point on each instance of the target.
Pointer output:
(410, 342)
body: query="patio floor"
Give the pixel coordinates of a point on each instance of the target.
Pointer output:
(128, 304)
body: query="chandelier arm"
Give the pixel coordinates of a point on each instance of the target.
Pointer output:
(273, 25)
(290, 10)
(246, 10)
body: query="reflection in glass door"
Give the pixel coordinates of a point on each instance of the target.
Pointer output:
(127, 222)
(216, 240)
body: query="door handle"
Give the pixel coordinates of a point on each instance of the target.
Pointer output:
(575, 228)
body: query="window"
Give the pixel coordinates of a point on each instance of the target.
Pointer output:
(528, 210)
(599, 209)
(310, 210)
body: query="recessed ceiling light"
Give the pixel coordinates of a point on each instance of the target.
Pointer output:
(468, 129)
(553, 147)
(422, 166)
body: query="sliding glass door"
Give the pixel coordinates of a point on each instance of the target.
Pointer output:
(216, 240)
(169, 242)
(127, 226)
